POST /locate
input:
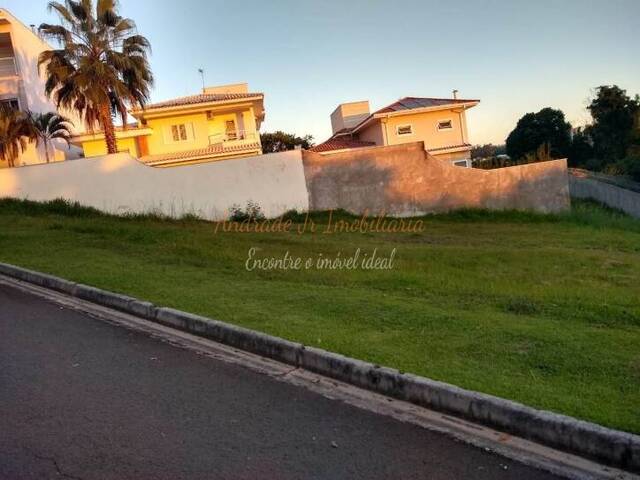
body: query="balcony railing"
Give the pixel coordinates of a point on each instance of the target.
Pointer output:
(8, 67)
(238, 135)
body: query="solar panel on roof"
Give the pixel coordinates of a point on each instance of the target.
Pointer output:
(416, 103)
(410, 103)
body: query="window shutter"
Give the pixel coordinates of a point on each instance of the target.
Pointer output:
(166, 134)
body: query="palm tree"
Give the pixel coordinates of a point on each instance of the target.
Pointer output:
(101, 67)
(15, 132)
(48, 126)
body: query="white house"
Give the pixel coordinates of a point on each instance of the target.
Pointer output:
(22, 87)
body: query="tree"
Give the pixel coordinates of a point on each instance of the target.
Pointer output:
(614, 114)
(487, 150)
(548, 126)
(15, 132)
(280, 142)
(581, 148)
(49, 126)
(101, 68)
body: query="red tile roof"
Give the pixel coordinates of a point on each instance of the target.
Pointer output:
(448, 147)
(340, 144)
(201, 98)
(211, 150)
(410, 103)
(342, 131)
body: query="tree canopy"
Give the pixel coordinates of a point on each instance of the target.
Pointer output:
(49, 126)
(101, 67)
(548, 126)
(615, 115)
(280, 141)
(487, 150)
(16, 131)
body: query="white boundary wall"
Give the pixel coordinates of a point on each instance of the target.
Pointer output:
(121, 184)
(581, 186)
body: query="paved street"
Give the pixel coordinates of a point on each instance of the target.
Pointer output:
(81, 398)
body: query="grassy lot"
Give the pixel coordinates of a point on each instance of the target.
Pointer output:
(541, 309)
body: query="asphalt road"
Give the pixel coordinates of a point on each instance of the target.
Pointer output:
(81, 398)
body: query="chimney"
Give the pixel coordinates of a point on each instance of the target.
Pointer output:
(455, 94)
(33, 28)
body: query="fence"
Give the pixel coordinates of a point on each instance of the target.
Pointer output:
(584, 185)
(403, 180)
(120, 184)
(400, 180)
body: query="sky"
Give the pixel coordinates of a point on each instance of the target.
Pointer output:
(516, 56)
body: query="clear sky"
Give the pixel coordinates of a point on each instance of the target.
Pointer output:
(307, 56)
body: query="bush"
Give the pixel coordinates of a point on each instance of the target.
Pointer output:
(595, 164)
(493, 162)
(252, 211)
(59, 206)
(629, 166)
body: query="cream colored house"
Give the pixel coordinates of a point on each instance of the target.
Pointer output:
(220, 123)
(438, 122)
(22, 87)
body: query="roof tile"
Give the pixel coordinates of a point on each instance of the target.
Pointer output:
(215, 149)
(340, 144)
(201, 98)
(448, 147)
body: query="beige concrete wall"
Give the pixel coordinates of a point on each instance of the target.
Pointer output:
(403, 180)
(119, 184)
(400, 180)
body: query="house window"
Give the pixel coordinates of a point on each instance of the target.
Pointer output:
(404, 130)
(445, 125)
(230, 130)
(182, 132)
(179, 132)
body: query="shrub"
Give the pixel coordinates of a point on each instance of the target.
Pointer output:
(630, 166)
(252, 211)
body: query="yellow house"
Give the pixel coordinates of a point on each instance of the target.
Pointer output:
(220, 123)
(440, 123)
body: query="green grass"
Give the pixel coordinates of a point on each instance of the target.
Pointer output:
(541, 309)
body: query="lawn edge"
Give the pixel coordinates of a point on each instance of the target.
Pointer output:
(613, 447)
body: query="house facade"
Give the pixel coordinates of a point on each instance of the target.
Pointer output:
(440, 123)
(220, 123)
(22, 87)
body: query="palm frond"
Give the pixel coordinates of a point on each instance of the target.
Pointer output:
(101, 65)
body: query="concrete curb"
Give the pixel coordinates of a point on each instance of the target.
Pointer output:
(616, 448)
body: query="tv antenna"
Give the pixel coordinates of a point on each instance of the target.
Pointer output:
(201, 72)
